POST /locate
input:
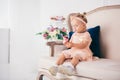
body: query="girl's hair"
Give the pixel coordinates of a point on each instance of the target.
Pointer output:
(81, 16)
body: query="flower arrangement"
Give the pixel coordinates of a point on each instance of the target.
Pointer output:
(54, 33)
(58, 18)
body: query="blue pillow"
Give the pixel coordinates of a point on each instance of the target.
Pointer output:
(95, 44)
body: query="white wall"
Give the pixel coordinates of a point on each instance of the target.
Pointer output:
(111, 2)
(24, 22)
(50, 8)
(3, 13)
(4, 44)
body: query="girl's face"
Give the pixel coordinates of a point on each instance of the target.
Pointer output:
(78, 26)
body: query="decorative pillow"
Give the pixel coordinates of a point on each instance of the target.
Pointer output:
(95, 44)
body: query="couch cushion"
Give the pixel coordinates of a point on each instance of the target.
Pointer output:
(103, 69)
(95, 45)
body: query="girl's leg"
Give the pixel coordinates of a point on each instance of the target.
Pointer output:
(61, 59)
(54, 69)
(69, 68)
(75, 61)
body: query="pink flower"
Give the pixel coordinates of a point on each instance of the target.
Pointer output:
(45, 35)
(52, 29)
(58, 18)
(63, 29)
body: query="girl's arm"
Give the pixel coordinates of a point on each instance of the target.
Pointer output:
(83, 42)
(68, 44)
(80, 45)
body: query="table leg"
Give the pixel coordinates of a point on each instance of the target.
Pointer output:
(52, 51)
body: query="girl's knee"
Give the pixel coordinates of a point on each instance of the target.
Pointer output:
(62, 55)
(76, 56)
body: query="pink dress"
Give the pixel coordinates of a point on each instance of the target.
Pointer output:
(84, 54)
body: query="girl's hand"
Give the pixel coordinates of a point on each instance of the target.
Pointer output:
(68, 44)
(65, 39)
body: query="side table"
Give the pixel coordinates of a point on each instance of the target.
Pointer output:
(52, 44)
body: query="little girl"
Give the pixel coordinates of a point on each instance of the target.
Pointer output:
(79, 47)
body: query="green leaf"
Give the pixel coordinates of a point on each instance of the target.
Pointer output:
(48, 37)
(39, 33)
(59, 36)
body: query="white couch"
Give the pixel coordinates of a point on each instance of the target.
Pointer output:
(107, 68)
(103, 69)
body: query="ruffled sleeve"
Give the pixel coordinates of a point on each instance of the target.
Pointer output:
(82, 38)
